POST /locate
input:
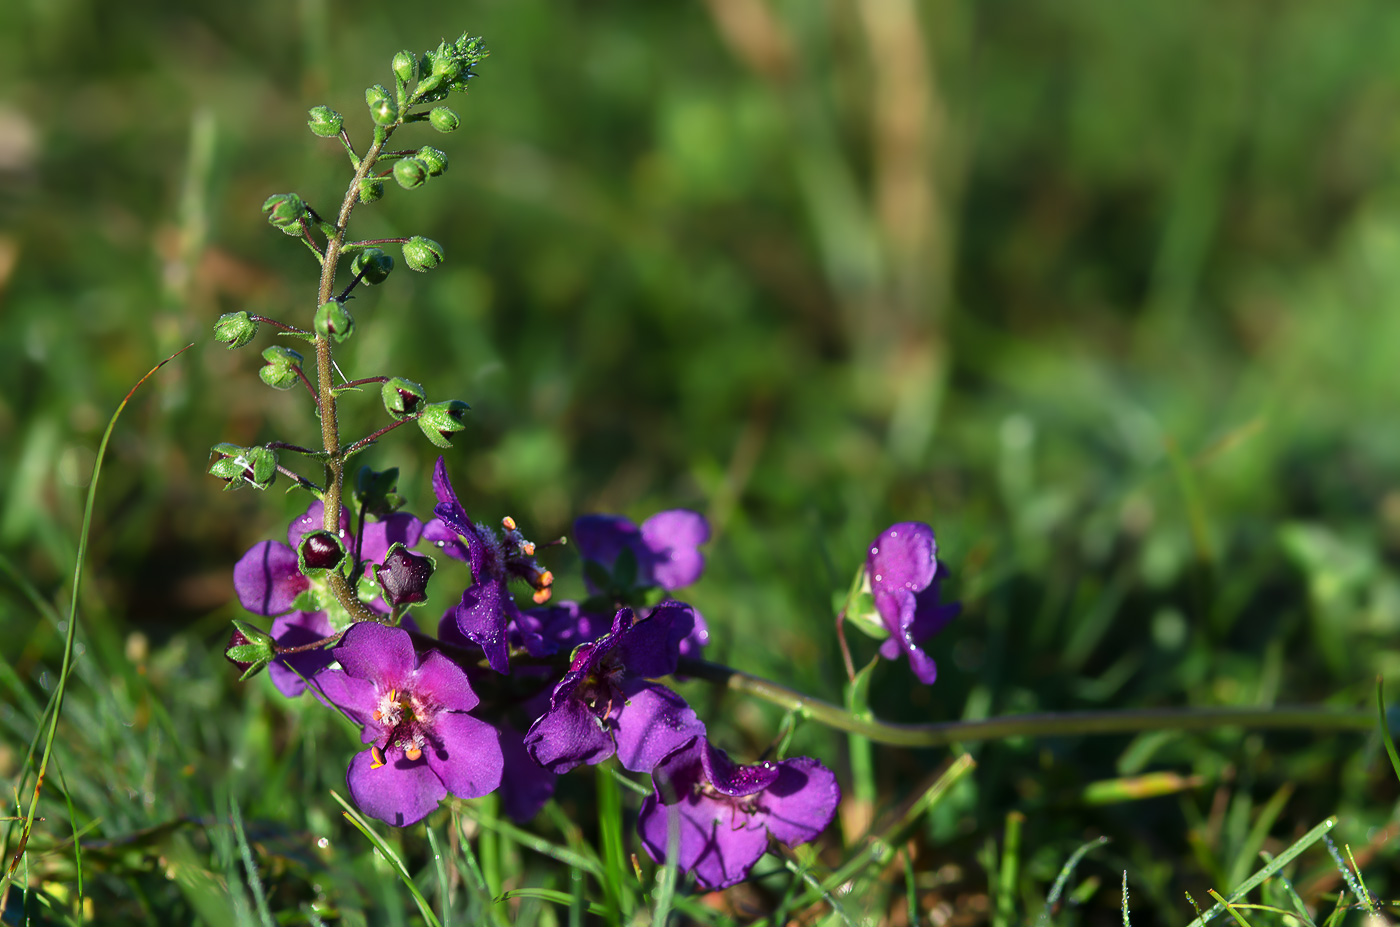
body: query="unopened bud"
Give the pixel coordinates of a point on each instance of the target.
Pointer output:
(372, 265)
(410, 172)
(382, 108)
(405, 66)
(377, 491)
(403, 577)
(441, 420)
(235, 329)
(249, 648)
(319, 551)
(333, 320)
(444, 119)
(243, 466)
(421, 253)
(325, 122)
(433, 159)
(282, 370)
(371, 189)
(402, 398)
(285, 211)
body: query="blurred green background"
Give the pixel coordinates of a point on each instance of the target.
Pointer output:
(1105, 291)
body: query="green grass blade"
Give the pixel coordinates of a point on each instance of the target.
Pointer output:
(533, 842)
(553, 896)
(1385, 727)
(1283, 859)
(250, 867)
(1254, 842)
(388, 853)
(1063, 878)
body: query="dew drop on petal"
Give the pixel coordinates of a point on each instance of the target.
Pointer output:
(323, 843)
(878, 578)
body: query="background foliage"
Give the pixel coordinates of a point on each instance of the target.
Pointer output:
(1106, 292)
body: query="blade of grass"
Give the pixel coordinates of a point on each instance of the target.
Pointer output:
(1009, 871)
(538, 844)
(388, 853)
(1283, 859)
(553, 896)
(1254, 842)
(1063, 878)
(1126, 922)
(250, 867)
(1385, 727)
(616, 888)
(1292, 894)
(1239, 918)
(440, 867)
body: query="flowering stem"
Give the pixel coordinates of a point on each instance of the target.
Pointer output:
(362, 381)
(375, 436)
(276, 324)
(1044, 724)
(314, 645)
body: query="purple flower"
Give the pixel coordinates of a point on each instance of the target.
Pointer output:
(719, 815)
(667, 546)
(605, 705)
(268, 582)
(487, 609)
(901, 567)
(413, 712)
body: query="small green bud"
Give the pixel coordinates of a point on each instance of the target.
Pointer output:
(446, 64)
(282, 368)
(433, 159)
(333, 320)
(405, 66)
(401, 397)
(375, 265)
(444, 119)
(371, 189)
(325, 122)
(421, 253)
(382, 108)
(441, 420)
(243, 466)
(318, 552)
(249, 648)
(285, 211)
(410, 172)
(235, 329)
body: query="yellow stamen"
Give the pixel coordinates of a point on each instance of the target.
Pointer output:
(413, 753)
(528, 548)
(546, 579)
(376, 759)
(508, 523)
(541, 596)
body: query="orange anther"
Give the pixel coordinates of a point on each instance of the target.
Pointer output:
(508, 523)
(542, 596)
(528, 548)
(546, 578)
(377, 715)
(376, 759)
(412, 753)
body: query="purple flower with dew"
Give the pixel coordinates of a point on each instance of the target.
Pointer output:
(525, 786)
(413, 712)
(901, 566)
(605, 705)
(487, 609)
(719, 815)
(268, 582)
(667, 545)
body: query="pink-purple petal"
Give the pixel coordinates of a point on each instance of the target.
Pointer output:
(733, 779)
(374, 651)
(314, 519)
(401, 792)
(673, 539)
(445, 683)
(398, 528)
(482, 620)
(288, 673)
(801, 802)
(358, 698)
(267, 580)
(465, 754)
(567, 735)
(653, 723)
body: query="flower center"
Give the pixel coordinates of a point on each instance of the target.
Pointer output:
(406, 718)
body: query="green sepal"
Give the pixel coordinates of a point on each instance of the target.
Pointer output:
(860, 608)
(597, 575)
(410, 172)
(243, 466)
(285, 211)
(333, 320)
(433, 159)
(624, 571)
(373, 266)
(441, 420)
(235, 329)
(376, 491)
(422, 254)
(281, 369)
(325, 121)
(402, 398)
(319, 552)
(250, 648)
(444, 119)
(371, 189)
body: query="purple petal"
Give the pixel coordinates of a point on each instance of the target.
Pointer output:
(602, 537)
(801, 802)
(443, 683)
(901, 559)
(267, 580)
(899, 608)
(673, 538)
(292, 631)
(567, 735)
(402, 792)
(717, 845)
(653, 723)
(651, 646)
(314, 519)
(445, 539)
(525, 785)
(373, 651)
(358, 698)
(450, 512)
(399, 528)
(732, 779)
(482, 620)
(693, 643)
(466, 754)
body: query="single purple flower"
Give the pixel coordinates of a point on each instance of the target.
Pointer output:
(667, 545)
(901, 567)
(719, 815)
(413, 712)
(605, 705)
(487, 609)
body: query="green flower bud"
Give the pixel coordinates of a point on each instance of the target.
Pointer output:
(243, 466)
(444, 119)
(375, 264)
(333, 320)
(235, 329)
(421, 253)
(318, 552)
(325, 122)
(410, 172)
(371, 189)
(382, 108)
(285, 211)
(405, 66)
(282, 368)
(249, 648)
(433, 159)
(441, 420)
(401, 397)
(446, 64)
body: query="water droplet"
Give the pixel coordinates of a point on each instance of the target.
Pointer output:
(323, 843)
(874, 551)
(878, 578)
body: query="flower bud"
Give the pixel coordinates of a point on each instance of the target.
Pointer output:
(240, 466)
(371, 189)
(325, 122)
(333, 320)
(433, 159)
(377, 491)
(441, 420)
(405, 66)
(319, 551)
(410, 172)
(234, 329)
(401, 397)
(249, 648)
(446, 64)
(403, 577)
(444, 119)
(285, 211)
(382, 108)
(421, 253)
(281, 369)
(372, 265)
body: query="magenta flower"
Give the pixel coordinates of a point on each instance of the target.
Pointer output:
(268, 582)
(413, 712)
(605, 705)
(487, 610)
(720, 815)
(667, 546)
(901, 566)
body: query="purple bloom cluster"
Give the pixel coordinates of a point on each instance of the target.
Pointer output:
(582, 676)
